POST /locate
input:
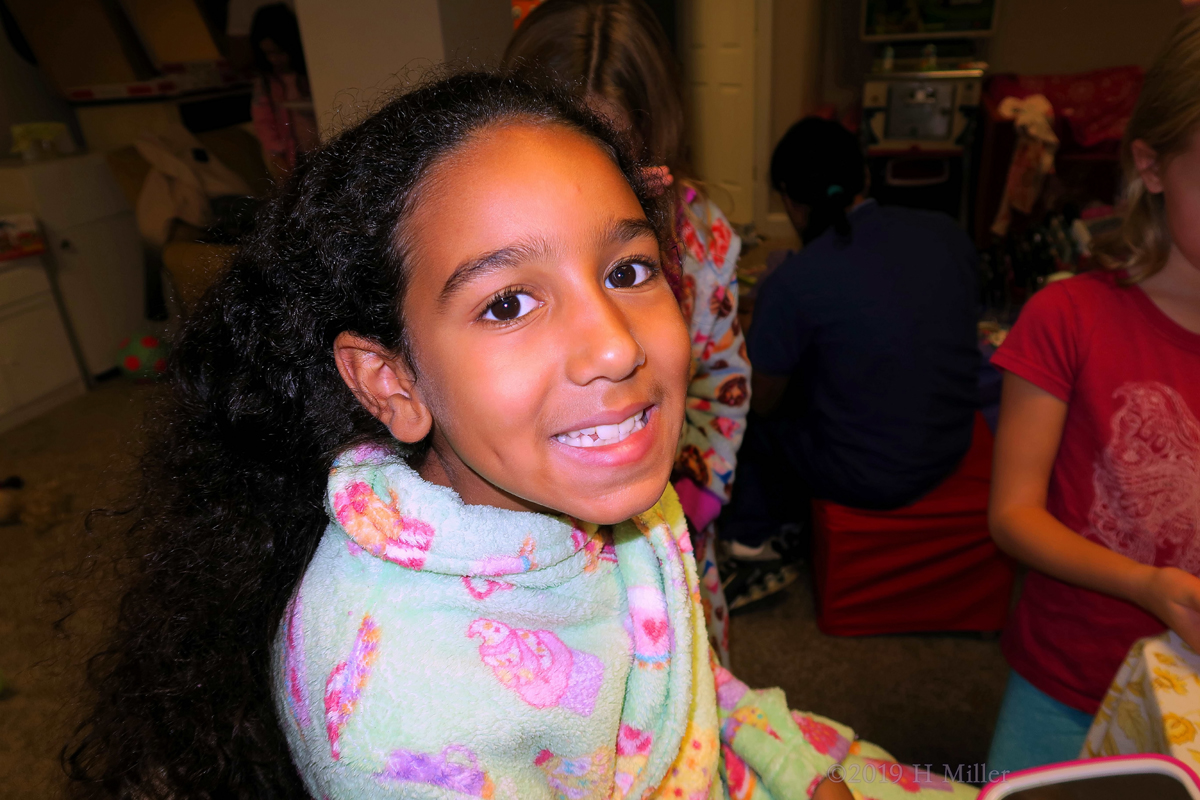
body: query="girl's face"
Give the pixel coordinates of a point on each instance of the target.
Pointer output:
(1179, 182)
(548, 348)
(276, 56)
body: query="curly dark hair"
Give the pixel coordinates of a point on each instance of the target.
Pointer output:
(231, 501)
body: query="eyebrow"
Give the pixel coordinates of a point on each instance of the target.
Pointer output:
(620, 231)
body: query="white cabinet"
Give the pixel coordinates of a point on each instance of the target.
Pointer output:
(93, 245)
(37, 368)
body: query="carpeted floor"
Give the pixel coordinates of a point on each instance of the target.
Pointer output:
(930, 699)
(74, 458)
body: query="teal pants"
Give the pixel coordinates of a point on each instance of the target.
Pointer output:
(1034, 729)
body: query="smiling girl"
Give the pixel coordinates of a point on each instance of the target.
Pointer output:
(408, 525)
(616, 58)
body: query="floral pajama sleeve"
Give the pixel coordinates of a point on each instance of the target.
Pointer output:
(718, 395)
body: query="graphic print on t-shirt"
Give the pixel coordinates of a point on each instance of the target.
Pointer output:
(1147, 479)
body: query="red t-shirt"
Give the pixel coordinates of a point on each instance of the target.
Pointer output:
(1127, 473)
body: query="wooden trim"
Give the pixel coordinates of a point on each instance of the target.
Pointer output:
(761, 189)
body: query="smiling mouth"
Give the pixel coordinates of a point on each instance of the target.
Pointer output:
(602, 435)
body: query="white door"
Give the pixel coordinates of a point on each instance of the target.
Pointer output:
(35, 354)
(723, 66)
(101, 275)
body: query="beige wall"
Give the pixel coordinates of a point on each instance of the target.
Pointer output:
(1037, 37)
(795, 81)
(475, 32)
(795, 58)
(357, 50)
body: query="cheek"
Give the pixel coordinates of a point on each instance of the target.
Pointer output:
(515, 382)
(667, 342)
(1183, 218)
(485, 393)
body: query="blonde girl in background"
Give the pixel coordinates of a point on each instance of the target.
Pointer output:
(615, 55)
(1097, 467)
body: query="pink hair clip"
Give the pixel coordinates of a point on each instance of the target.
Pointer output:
(659, 178)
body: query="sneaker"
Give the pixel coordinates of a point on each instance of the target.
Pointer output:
(747, 582)
(764, 552)
(751, 574)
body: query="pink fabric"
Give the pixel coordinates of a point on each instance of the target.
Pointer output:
(700, 505)
(280, 130)
(1097, 105)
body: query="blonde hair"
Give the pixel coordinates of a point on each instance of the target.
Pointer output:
(1166, 116)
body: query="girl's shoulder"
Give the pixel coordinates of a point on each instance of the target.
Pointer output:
(1081, 297)
(705, 234)
(1093, 283)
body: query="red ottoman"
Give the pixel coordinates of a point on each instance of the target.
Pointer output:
(930, 566)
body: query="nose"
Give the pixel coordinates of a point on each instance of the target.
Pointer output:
(604, 344)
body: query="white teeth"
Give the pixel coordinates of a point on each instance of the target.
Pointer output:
(601, 435)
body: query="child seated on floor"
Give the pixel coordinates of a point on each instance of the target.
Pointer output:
(408, 525)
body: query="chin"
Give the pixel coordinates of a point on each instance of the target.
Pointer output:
(620, 506)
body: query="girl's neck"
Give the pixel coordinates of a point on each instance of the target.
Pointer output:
(1175, 289)
(440, 465)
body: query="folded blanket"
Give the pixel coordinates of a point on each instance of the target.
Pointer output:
(435, 649)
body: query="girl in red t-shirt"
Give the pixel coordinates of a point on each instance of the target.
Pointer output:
(1097, 472)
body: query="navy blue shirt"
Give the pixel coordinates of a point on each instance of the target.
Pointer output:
(878, 336)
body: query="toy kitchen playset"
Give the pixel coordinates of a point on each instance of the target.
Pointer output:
(922, 98)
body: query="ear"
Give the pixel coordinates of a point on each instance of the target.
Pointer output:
(384, 384)
(797, 212)
(1145, 159)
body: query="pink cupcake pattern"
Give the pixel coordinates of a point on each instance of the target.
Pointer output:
(597, 547)
(347, 680)
(633, 742)
(455, 768)
(483, 588)
(294, 671)
(730, 690)
(825, 739)
(588, 777)
(739, 778)
(651, 629)
(380, 528)
(536, 665)
(493, 566)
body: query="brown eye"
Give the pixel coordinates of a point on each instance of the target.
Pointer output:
(626, 276)
(510, 307)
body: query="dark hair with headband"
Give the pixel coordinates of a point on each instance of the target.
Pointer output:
(819, 164)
